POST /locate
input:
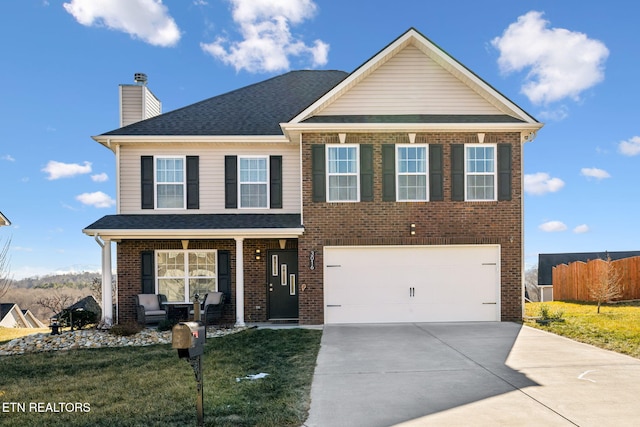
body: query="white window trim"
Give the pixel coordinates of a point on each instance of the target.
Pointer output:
(186, 276)
(267, 182)
(426, 172)
(156, 183)
(494, 173)
(356, 173)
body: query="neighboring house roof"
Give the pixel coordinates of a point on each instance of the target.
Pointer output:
(12, 317)
(546, 262)
(200, 224)
(257, 109)
(4, 220)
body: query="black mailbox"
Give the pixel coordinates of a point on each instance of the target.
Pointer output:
(188, 338)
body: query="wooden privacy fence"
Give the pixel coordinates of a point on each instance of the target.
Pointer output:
(571, 282)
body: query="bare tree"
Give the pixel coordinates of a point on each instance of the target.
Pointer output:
(57, 302)
(607, 285)
(5, 269)
(531, 283)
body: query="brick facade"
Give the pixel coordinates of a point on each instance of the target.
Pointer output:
(387, 223)
(255, 273)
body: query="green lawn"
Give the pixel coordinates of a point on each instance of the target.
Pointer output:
(616, 328)
(151, 386)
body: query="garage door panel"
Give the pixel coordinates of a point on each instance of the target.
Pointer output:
(411, 284)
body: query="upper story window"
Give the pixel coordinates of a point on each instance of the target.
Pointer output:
(342, 173)
(254, 183)
(480, 172)
(412, 174)
(170, 183)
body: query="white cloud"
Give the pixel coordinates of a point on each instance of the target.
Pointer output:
(552, 226)
(100, 177)
(583, 228)
(57, 170)
(541, 183)
(630, 147)
(267, 43)
(8, 158)
(97, 199)
(147, 20)
(594, 173)
(560, 63)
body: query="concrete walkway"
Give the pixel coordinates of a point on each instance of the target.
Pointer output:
(468, 374)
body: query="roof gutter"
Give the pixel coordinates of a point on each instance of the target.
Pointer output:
(247, 233)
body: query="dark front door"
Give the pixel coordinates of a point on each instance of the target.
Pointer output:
(283, 284)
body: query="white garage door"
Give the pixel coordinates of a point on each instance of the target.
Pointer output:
(383, 284)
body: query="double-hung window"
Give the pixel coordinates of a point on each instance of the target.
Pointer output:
(254, 182)
(480, 171)
(170, 183)
(182, 274)
(342, 173)
(412, 175)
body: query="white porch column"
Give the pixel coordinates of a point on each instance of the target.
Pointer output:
(107, 291)
(239, 281)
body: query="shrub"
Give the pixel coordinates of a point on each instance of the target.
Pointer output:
(80, 318)
(126, 329)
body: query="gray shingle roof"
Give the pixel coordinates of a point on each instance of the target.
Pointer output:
(196, 222)
(546, 262)
(257, 109)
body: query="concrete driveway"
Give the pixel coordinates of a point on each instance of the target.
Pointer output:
(463, 374)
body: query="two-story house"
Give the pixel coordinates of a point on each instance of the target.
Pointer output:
(389, 194)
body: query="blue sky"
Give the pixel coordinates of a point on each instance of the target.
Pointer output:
(571, 64)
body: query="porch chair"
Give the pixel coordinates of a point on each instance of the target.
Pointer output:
(149, 308)
(212, 307)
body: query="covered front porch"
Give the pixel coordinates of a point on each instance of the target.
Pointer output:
(248, 240)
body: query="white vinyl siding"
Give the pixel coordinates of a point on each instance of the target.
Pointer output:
(211, 177)
(480, 172)
(343, 176)
(410, 83)
(412, 178)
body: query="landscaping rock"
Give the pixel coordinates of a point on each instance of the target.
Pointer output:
(93, 338)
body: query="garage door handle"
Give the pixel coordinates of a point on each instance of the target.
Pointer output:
(412, 292)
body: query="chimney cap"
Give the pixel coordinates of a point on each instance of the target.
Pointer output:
(140, 78)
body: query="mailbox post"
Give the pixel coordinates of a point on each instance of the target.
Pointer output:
(188, 338)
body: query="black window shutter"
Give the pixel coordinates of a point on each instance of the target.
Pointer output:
(318, 179)
(275, 182)
(436, 173)
(193, 182)
(148, 273)
(230, 182)
(146, 179)
(457, 172)
(224, 274)
(504, 171)
(389, 172)
(366, 173)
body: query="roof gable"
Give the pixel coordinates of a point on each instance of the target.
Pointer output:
(413, 76)
(4, 220)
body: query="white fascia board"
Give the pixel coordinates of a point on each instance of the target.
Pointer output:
(248, 233)
(110, 141)
(415, 127)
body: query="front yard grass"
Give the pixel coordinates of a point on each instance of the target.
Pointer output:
(151, 386)
(616, 328)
